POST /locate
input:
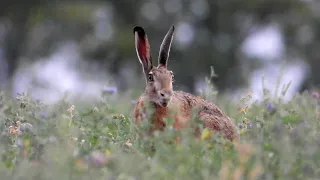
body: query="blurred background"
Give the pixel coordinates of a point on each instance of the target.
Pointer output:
(49, 47)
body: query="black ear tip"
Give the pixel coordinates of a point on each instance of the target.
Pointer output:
(139, 30)
(172, 27)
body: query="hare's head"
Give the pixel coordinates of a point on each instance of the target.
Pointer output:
(158, 79)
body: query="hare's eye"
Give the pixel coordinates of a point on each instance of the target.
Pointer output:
(150, 77)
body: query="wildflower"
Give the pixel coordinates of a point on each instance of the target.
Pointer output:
(107, 152)
(110, 90)
(315, 95)
(70, 110)
(75, 153)
(26, 143)
(244, 110)
(17, 123)
(270, 107)
(95, 109)
(25, 127)
(121, 116)
(118, 116)
(19, 143)
(243, 99)
(206, 133)
(270, 155)
(177, 140)
(13, 130)
(133, 102)
(243, 131)
(250, 94)
(144, 116)
(246, 121)
(43, 115)
(128, 143)
(97, 158)
(37, 100)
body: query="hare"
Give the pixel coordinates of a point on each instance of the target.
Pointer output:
(165, 101)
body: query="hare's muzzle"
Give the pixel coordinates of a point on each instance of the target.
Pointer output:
(164, 104)
(165, 97)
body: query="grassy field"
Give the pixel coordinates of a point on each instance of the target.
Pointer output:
(279, 140)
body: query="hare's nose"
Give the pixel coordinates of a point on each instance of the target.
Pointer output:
(165, 94)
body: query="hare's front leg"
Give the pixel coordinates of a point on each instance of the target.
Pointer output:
(155, 118)
(220, 124)
(139, 111)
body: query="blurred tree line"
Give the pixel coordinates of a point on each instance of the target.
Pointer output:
(210, 33)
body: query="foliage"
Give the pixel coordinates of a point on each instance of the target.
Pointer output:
(102, 31)
(279, 140)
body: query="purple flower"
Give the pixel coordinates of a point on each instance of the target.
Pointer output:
(24, 127)
(110, 90)
(19, 143)
(43, 115)
(35, 99)
(144, 115)
(315, 95)
(270, 107)
(97, 158)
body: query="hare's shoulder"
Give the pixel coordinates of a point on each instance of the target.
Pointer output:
(194, 101)
(191, 99)
(187, 98)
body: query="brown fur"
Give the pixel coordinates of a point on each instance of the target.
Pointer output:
(177, 104)
(212, 116)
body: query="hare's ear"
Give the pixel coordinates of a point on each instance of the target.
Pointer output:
(143, 48)
(165, 48)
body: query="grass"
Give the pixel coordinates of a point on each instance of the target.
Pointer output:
(279, 140)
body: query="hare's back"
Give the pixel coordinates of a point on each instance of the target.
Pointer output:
(189, 101)
(186, 99)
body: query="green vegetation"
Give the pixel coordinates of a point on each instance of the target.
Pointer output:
(279, 140)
